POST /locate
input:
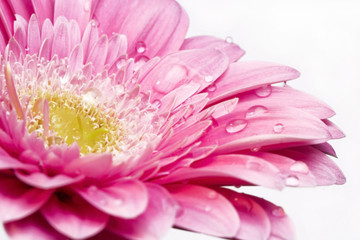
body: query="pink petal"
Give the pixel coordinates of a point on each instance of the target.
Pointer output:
(78, 10)
(281, 225)
(7, 18)
(61, 42)
(326, 148)
(89, 38)
(160, 24)
(200, 66)
(43, 181)
(19, 200)
(117, 47)
(204, 210)
(333, 129)
(33, 36)
(20, 31)
(233, 51)
(23, 8)
(73, 216)
(8, 162)
(274, 127)
(98, 53)
(255, 223)
(152, 224)
(76, 58)
(33, 227)
(244, 76)
(124, 199)
(75, 36)
(43, 9)
(246, 168)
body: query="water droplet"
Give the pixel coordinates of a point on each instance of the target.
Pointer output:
(92, 189)
(255, 149)
(94, 23)
(278, 212)
(278, 128)
(253, 164)
(243, 203)
(299, 167)
(140, 47)
(207, 209)
(264, 91)
(211, 88)
(236, 126)
(87, 6)
(256, 111)
(292, 181)
(209, 78)
(157, 103)
(212, 195)
(103, 202)
(229, 39)
(118, 202)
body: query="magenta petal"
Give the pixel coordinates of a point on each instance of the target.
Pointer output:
(33, 227)
(154, 222)
(124, 199)
(23, 8)
(233, 51)
(160, 24)
(43, 9)
(43, 181)
(61, 42)
(281, 225)
(255, 223)
(33, 36)
(73, 216)
(19, 200)
(8, 162)
(204, 210)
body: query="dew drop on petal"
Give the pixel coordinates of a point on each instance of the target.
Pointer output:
(253, 164)
(278, 128)
(207, 209)
(256, 111)
(209, 78)
(140, 47)
(236, 126)
(255, 149)
(292, 181)
(264, 91)
(278, 212)
(211, 88)
(229, 39)
(92, 189)
(118, 202)
(156, 103)
(212, 195)
(299, 167)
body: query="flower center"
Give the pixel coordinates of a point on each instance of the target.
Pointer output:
(66, 118)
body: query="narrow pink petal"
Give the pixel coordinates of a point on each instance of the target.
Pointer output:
(20, 31)
(152, 224)
(19, 200)
(334, 130)
(204, 210)
(47, 31)
(224, 108)
(200, 66)
(33, 36)
(91, 165)
(89, 38)
(13, 49)
(73, 216)
(255, 223)
(43, 9)
(326, 148)
(23, 8)
(76, 58)
(7, 18)
(124, 199)
(61, 42)
(117, 47)
(233, 51)
(7, 162)
(285, 97)
(248, 169)
(45, 49)
(281, 225)
(75, 36)
(320, 165)
(43, 181)
(244, 76)
(161, 25)
(98, 53)
(77, 10)
(270, 128)
(33, 227)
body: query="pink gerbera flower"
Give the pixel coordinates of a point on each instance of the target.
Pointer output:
(112, 126)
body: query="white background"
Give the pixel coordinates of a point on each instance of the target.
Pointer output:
(320, 38)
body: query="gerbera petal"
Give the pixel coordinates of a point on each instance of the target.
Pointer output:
(8, 162)
(244, 76)
(43, 9)
(61, 42)
(43, 181)
(232, 50)
(281, 225)
(33, 227)
(334, 130)
(255, 223)
(78, 10)
(204, 210)
(73, 216)
(7, 18)
(248, 169)
(154, 222)
(33, 36)
(124, 199)
(23, 8)
(117, 47)
(98, 53)
(161, 25)
(19, 200)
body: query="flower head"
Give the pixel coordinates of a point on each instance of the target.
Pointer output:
(112, 125)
